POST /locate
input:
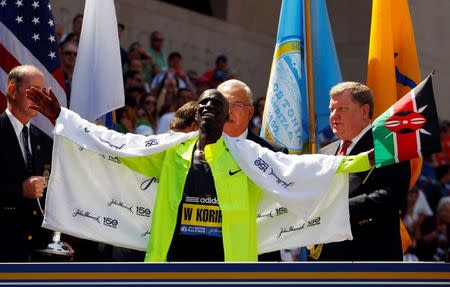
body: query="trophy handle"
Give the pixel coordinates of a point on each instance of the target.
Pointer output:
(55, 247)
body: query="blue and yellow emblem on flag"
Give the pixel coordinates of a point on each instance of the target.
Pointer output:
(286, 93)
(286, 118)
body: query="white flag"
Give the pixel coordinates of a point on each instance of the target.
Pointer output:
(97, 86)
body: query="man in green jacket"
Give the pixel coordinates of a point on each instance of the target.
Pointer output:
(205, 208)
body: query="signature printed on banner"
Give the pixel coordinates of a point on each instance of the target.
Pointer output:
(264, 166)
(292, 228)
(272, 213)
(120, 204)
(111, 145)
(87, 214)
(147, 182)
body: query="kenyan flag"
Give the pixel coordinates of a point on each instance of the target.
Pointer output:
(409, 128)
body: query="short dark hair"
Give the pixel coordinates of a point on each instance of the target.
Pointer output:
(174, 55)
(130, 101)
(184, 116)
(221, 58)
(140, 90)
(68, 42)
(360, 93)
(153, 34)
(78, 16)
(130, 74)
(134, 46)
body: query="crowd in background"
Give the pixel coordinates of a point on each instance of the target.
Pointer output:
(427, 215)
(157, 85)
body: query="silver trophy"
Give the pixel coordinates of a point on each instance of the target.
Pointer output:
(56, 249)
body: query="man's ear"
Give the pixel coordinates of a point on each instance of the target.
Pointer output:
(366, 110)
(11, 90)
(251, 111)
(193, 126)
(197, 116)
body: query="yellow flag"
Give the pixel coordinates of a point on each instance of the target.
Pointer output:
(393, 66)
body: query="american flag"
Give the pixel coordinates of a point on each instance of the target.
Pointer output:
(27, 36)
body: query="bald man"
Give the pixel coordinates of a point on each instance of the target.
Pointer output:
(25, 153)
(240, 113)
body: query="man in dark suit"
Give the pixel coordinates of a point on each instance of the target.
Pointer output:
(240, 113)
(25, 152)
(376, 197)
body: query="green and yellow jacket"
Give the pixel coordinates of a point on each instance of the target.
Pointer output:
(237, 196)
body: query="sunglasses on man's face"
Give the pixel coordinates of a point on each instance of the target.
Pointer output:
(70, 53)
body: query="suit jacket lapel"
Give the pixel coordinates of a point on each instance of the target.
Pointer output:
(330, 149)
(364, 144)
(12, 142)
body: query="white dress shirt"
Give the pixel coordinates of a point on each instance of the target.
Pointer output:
(18, 126)
(355, 139)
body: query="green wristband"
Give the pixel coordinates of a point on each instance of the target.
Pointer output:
(354, 163)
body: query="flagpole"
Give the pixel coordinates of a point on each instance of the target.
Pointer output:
(309, 76)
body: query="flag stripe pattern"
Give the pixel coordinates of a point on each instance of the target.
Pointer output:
(408, 140)
(27, 37)
(409, 129)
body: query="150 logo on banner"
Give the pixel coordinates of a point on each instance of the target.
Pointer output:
(107, 221)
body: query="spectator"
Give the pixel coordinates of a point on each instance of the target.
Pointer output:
(156, 52)
(256, 122)
(133, 79)
(148, 103)
(166, 97)
(123, 52)
(58, 32)
(220, 73)
(69, 51)
(143, 125)
(433, 233)
(137, 93)
(183, 96)
(443, 230)
(127, 116)
(175, 71)
(202, 84)
(77, 23)
(141, 61)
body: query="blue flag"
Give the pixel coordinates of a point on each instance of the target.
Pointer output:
(286, 114)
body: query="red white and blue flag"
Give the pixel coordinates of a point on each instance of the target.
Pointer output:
(27, 37)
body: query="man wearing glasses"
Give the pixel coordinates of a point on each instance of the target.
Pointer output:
(240, 113)
(69, 51)
(156, 51)
(240, 98)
